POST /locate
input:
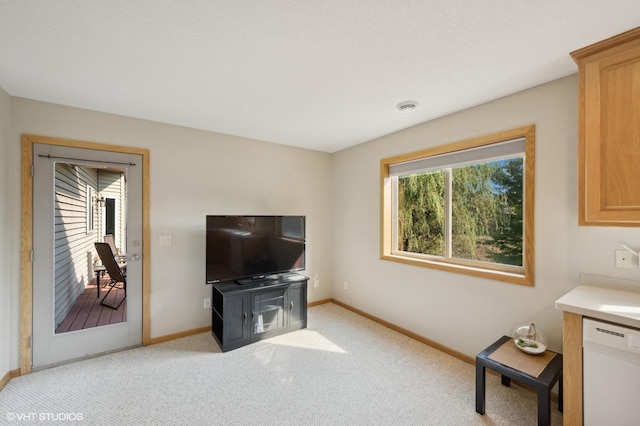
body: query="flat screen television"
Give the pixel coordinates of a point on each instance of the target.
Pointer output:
(248, 248)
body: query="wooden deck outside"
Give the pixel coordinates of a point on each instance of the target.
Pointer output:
(87, 312)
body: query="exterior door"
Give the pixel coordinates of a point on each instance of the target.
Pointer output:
(49, 348)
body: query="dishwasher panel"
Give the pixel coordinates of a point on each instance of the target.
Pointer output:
(611, 374)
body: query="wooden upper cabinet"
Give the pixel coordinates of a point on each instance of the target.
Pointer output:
(609, 131)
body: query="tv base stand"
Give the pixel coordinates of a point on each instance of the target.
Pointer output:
(244, 314)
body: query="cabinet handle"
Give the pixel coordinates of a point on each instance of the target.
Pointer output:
(253, 315)
(244, 316)
(291, 307)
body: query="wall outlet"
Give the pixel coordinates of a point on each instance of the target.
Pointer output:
(624, 259)
(316, 283)
(207, 303)
(165, 240)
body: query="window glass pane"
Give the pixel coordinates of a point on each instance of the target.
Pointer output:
(487, 212)
(421, 213)
(89, 207)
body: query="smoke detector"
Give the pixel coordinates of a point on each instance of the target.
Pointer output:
(407, 106)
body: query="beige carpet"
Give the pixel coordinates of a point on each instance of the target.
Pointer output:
(342, 370)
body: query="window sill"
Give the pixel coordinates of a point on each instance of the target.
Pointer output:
(510, 277)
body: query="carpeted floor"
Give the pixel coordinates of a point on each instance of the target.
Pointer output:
(343, 370)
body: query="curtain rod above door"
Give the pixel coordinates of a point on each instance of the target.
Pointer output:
(89, 161)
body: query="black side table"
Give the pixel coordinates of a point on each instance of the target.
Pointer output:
(551, 375)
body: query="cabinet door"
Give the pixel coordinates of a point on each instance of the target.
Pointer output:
(268, 313)
(298, 306)
(609, 131)
(236, 321)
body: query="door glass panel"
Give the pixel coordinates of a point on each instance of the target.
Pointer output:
(88, 207)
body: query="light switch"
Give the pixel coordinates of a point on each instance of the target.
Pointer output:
(165, 240)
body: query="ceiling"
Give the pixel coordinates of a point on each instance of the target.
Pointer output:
(323, 75)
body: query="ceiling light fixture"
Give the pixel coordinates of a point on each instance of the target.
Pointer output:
(407, 106)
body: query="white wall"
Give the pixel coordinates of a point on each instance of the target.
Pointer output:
(193, 173)
(461, 312)
(5, 231)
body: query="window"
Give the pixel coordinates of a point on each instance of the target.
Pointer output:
(466, 207)
(90, 212)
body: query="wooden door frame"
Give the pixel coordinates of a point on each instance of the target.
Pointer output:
(26, 239)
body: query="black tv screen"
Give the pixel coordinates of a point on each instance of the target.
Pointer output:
(244, 248)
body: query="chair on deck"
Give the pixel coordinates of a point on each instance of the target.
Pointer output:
(116, 275)
(109, 239)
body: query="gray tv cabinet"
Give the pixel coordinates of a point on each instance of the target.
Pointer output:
(244, 314)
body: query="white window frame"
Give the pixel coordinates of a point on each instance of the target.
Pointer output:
(90, 202)
(473, 151)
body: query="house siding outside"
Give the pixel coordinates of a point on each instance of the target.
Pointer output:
(74, 252)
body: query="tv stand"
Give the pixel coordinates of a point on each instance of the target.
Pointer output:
(263, 308)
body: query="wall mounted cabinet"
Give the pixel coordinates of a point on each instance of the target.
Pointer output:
(609, 131)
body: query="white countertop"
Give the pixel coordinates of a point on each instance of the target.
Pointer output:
(622, 307)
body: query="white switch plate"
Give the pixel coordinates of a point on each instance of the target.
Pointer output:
(165, 240)
(624, 259)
